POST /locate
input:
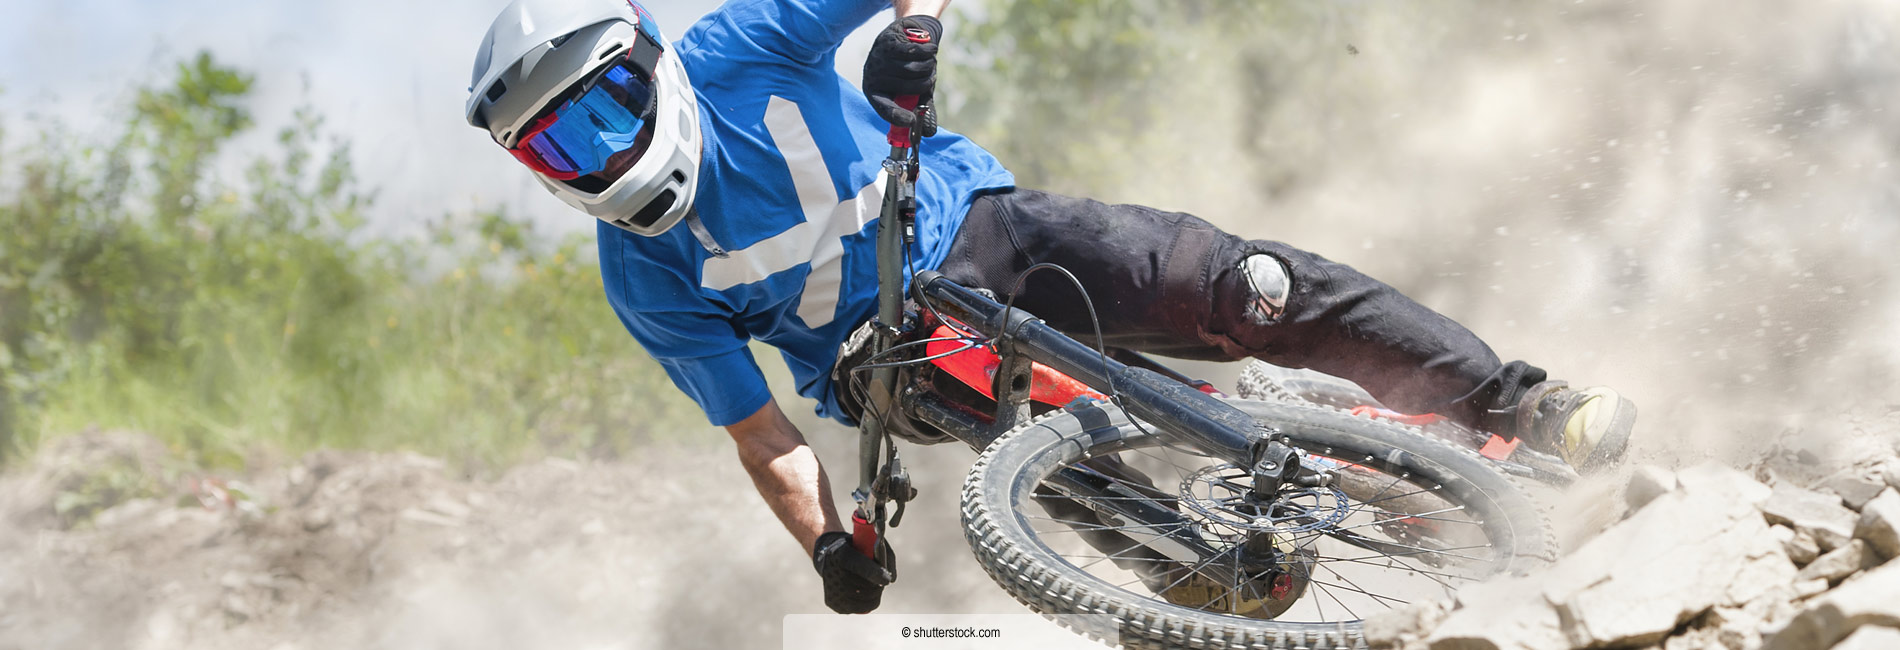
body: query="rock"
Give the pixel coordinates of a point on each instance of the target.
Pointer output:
(162, 627)
(1816, 514)
(1716, 478)
(1873, 598)
(1799, 546)
(1647, 483)
(1838, 563)
(1880, 524)
(1502, 613)
(421, 516)
(1808, 588)
(1399, 627)
(1737, 638)
(1734, 627)
(1768, 610)
(1871, 637)
(1694, 639)
(1891, 474)
(447, 506)
(128, 513)
(1854, 489)
(316, 519)
(237, 609)
(1687, 551)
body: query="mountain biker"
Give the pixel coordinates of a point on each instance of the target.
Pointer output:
(736, 179)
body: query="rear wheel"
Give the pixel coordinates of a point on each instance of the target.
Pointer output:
(1406, 517)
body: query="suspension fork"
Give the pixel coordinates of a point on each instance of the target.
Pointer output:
(895, 231)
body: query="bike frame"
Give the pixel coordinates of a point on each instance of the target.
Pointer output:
(1166, 401)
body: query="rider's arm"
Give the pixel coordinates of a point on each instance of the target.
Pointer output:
(786, 473)
(931, 8)
(806, 32)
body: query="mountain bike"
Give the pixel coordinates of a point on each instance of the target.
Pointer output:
(1108, 484)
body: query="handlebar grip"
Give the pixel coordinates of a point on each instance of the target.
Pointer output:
(863, 535)
(900, 135)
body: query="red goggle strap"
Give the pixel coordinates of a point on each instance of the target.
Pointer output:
(529, 158)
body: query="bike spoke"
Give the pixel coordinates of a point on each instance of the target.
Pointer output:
(1090, 498)
(1420, 551)
(1395, 481)
(1399, 517)
(1401, 565)
(1119, 556)
(1081, 526)
(1321, 586)
(1231, 590)
(1354, 586)
(1399, 496)
(1378, 597)
(1190, 572)
(1178, 468)
(1399, 514)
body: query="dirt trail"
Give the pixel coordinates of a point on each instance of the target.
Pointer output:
(358, 550)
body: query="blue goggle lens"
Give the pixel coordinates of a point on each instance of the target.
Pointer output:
(578, 138)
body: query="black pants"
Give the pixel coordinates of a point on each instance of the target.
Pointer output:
(1170, 284)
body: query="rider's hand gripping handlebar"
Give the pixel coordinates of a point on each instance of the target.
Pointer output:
(900, 136)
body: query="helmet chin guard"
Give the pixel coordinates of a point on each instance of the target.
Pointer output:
(538, 51)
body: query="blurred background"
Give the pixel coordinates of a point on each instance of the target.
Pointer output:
(253, 255)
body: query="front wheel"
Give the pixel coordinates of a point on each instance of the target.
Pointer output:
(1404, 518)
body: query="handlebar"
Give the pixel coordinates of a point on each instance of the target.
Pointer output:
(900, 135)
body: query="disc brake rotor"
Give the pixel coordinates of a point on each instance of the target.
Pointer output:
(1223, 494)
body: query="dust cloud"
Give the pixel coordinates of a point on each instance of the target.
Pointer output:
(1694, 201)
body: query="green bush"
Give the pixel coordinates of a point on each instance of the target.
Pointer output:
(140, 289)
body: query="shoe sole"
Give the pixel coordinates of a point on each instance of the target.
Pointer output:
(1616, 437)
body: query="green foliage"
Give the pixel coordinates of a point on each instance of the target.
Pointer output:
(1060, 90)
(94, 489)
(140, 289)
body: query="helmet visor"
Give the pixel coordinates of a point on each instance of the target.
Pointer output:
(612, 114)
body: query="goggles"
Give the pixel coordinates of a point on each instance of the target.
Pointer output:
(605, 115)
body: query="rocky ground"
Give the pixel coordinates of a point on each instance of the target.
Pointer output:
(1791, 552)
(108, 541)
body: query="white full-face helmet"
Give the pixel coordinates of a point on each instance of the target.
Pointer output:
(585, 93)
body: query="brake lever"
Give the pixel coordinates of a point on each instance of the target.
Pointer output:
(894, 485)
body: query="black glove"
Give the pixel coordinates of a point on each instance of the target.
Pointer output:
(854, 584)
(897, 67)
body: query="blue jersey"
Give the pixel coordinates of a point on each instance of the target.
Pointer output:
(790, 183)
